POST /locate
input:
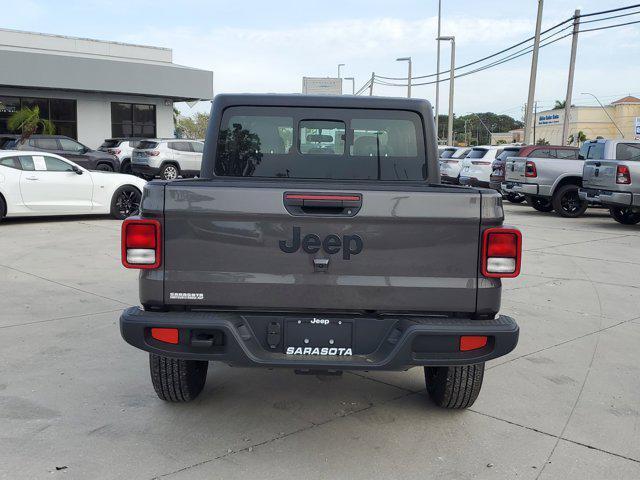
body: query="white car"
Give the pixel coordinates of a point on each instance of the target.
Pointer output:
(121, 148)
(475, 168)
(450, 159)
(40, 183)
(167, 158)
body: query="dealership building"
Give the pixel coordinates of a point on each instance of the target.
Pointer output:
(92, 90)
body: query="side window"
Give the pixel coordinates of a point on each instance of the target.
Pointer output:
(11, 162)
(628, 151)
(70, 146)
(45, 143)
(567, 154)
(180, 146)
(56, 165)
(197, 147)
(541, 153)
(326, 137)
(26, 163)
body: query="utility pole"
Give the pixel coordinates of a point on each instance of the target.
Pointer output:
(451, 86)
(532, 78)
(572, 66)
(373, 77)
(535, 117)
(438, 72)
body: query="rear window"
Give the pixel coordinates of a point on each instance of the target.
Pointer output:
(110, 143)
(592, 151)
(145, 144)
(447, 152)
(341, 144)
(628, 151)
(477, 153)
(508, 152)
(135, 143)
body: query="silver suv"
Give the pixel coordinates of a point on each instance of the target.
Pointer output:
(167, 158)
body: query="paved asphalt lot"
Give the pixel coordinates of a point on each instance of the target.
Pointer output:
(565, 404)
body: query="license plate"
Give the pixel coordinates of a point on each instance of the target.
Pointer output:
(318, 337)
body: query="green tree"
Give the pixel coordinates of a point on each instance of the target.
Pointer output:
(479, 126)
(28, 121)
(560, 104)
(580, 138)
(542, 141)
(193, 127)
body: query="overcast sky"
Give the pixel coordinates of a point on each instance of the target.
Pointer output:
(268, 46)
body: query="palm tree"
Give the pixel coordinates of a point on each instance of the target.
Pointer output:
(580, 137)
(27, 121)
(560, 104)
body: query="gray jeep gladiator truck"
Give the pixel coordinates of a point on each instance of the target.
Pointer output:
(319, 238)
(608, 178)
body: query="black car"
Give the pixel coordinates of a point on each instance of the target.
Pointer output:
(68, 148)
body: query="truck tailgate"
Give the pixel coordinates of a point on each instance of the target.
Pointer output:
(417, 250)
(514, 170)
(600, 174)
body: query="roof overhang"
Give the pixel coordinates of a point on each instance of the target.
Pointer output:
(67, 72)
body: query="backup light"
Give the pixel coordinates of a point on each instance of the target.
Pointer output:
(141, 243)
(501, 252)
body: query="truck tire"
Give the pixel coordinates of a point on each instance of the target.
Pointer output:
(169, 171)
(176, 380)
(623, 215)
(540, 204)
(454, 387)
(567, 203)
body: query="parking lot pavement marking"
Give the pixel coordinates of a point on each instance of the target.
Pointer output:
(36, 322)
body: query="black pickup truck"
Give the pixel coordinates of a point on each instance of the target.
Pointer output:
(318, 238)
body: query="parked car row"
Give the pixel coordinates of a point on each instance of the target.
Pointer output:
(145, 157)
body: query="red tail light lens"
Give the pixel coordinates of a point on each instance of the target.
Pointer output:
(472, 342)
(501, 252)
(141, 242)
(623, 175)
(530, 169)
(114, 151)
(166, 335)
(153, 153)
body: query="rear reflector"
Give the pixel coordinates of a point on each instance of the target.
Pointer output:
(472, 342)
(166, 335)
(141, 242)
(501, 252)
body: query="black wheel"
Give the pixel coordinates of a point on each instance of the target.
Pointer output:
(125, 167)
(539, 204)
(625, 216)
(454, 387)
(104, 167)
(3, 208)
(125, 202)
(567, 203)
(177, 380)
(169, 172)
(514, 197)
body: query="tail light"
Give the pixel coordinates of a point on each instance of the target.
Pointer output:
(530, 169)
(153, 153)
(623, 175)
(477, 162)
(114, 151)
(141, 243)
(501, 252)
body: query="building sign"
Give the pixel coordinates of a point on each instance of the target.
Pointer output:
(549, 119)
(321, 86)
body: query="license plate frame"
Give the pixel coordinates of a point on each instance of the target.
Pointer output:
(318, 337)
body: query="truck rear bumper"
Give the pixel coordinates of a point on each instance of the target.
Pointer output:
(524, 188)
(608, 197)
(377, 343)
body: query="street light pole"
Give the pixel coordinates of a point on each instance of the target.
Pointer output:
(438, 71)
(353, 84)
(451, 87)
(340, 65)
(407, 59)
(605, 111)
